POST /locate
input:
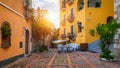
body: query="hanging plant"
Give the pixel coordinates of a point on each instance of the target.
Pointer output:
(6, 32)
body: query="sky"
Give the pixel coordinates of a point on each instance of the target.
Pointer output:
(53, 8)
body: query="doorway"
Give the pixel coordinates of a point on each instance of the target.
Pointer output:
(27, 42)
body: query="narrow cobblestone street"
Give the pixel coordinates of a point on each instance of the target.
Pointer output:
(52, 59)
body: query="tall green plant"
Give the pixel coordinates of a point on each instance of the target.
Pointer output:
(106, 33)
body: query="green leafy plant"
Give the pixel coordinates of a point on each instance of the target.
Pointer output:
(43, 48)
(6, 31)
(106, 33)
(92, 32)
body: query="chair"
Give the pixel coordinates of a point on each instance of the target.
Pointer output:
(60, 48)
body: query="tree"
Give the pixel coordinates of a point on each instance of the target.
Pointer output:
(41, 29)
(106, 33)
(55, 34)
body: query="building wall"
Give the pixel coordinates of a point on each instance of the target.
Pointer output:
(18, 26)
(117, 10)
(89, 17)
(94, 16)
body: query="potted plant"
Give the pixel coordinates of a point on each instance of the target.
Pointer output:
(84, 46)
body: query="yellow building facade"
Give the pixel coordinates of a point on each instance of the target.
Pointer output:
(78, 17)
(15, 29)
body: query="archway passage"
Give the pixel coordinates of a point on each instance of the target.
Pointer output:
(6, 35)
(109, 19)
(26, 41)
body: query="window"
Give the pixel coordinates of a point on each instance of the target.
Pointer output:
(72, 36)
(79, 26)
(63, 3)
(71, 16)
(80, 4)
(26, 9)
(94, 3)
(6, 35)
(71, 13)
(72, 30)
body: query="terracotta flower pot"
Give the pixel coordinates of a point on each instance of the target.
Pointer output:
(84, 46)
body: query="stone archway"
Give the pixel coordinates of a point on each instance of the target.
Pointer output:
(27, 34)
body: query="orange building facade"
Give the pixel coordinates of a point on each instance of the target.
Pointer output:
(15, 29)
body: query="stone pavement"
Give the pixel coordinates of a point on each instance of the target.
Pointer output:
(52, 59)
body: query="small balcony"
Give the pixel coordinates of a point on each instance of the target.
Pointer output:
(63, 36)
(70, 18)
(71, 36)
(70, 2)
(63, 5)
(27, 13)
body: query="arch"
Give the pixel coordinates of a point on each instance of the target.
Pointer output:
(6, 34)
(109, 19)
(6, 23)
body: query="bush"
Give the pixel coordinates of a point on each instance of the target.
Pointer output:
(54, 46)
(106, 33)
(106, 54)
(43, 48)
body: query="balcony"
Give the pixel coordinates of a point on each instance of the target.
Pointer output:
(70, 2)
(63, 5)
(72, 36)
(63, 36)
(27, 13)
(70, 18)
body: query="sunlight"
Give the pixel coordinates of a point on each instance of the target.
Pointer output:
(53, 9)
